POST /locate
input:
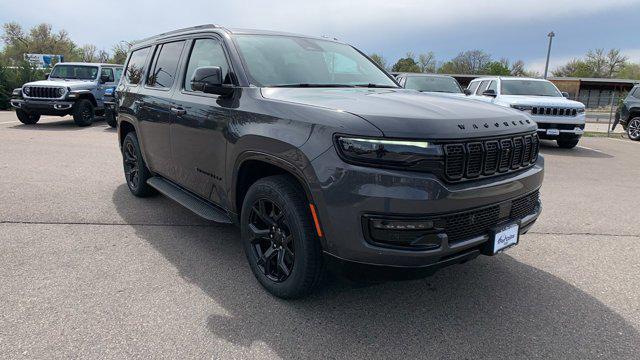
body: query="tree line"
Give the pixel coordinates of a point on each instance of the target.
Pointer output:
(596, 63)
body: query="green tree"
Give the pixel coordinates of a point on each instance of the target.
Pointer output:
(500, 68)
(427, 62)
(630, 71)
(379, 59)
(468, 62)
(41, 39)
(119, 52)
(407, 64)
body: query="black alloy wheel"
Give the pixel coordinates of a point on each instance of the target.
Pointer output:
(135, 170)
(271, 240)
(633, 129)
(131, 165)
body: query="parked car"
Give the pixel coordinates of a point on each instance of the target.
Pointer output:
(70, 89)
(431, 83)
(628, 114)
(558, 118)
(320, 157)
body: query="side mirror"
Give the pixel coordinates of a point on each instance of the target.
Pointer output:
(466, 92)
(208, 79)
(565, 94)
(490, 93)
(104, 78)
(46, 76)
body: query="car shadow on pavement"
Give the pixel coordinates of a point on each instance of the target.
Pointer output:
(65, 124)
(548, 147)
(488, 308)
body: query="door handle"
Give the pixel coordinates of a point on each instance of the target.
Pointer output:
(178, 111)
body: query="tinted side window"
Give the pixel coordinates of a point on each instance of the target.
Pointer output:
(493, 85)
(108, 72)
(482, 87)
(473, 86)
(135, 66)
(206, 52)
(636, 93)
(118, 74)
(165, 65)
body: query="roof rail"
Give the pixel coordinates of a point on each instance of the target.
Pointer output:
(178, 31)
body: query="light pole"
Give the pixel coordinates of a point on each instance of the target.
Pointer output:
(546, 66)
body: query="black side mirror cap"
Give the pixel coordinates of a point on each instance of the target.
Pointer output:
(46, 76)
(565, 94)
(208, 79)
(490, 93)
(466, 92)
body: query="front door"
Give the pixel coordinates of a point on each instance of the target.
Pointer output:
(199, 127)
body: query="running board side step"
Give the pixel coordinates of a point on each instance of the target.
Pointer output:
(188, 200)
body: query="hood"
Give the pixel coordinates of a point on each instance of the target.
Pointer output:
(70, 83)
(409, 114)
(538, 101)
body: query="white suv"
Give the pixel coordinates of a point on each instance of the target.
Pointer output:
(558, 118)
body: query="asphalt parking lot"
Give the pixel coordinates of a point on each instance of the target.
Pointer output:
(89, 271)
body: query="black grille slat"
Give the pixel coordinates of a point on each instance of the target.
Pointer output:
(454, 161)
(475, 154)
(518, 147)
(491, 157)
(524, 206)
(526, 157)
(506, 153)
(43, 92)
(553, 111)
(535, 147)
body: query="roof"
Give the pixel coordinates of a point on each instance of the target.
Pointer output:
(484, 77)
(213, 27)
(423, 74)
(88, 64)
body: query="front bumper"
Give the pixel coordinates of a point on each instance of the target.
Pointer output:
(43, 107)
(346, 194)
(560, 127)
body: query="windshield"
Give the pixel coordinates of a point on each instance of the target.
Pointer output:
(433, 84)
(529, 87)
(75, 72)
(302, 62)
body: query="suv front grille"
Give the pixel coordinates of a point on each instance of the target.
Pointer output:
(43, 92)
(471, 160)
(553, 111)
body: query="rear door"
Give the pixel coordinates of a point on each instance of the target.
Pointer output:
(155, 114)
(198, 131)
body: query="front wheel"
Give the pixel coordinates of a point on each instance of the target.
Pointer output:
(567, 143)
(633, 129)
(27, 119)
(83, 113)
(279, 237)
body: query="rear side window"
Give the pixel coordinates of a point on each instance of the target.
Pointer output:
(482, 87)
(135, 66)
(118, 74)
(493, 85)
(206, 52)
(636, 93)
(108, 72)
(473, 86)
(165, 65)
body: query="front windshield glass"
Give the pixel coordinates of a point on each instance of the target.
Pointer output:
(274, 60)
(81, 72)
(529, 87)
(432, 84)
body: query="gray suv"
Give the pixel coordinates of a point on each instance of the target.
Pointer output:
(70, 89)
(628, 114)
(320, 157)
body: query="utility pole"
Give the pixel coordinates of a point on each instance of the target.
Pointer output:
(546, 66)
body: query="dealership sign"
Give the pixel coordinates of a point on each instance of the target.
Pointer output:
(43, 60)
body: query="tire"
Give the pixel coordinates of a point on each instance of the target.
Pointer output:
(633, 129)
(27, 119)
(567, 143)
(283, 251)
(83, 113)
(136, 172)
(110, 118)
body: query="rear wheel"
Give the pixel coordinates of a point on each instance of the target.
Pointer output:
(633, 129)
(279, 237)
(110, 118)
(27, 119)
(135, 170)
(567, 143)
(83, 113)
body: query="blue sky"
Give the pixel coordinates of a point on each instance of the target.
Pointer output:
(511, 29)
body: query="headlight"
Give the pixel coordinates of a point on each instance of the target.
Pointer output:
(525, 108)
(17, 92)
(60, 92)
(409, 154)
(26, 90)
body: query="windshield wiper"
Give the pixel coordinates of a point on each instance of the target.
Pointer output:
(370, 85)
(310, 85)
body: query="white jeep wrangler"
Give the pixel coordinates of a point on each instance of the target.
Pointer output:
(558, 118)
